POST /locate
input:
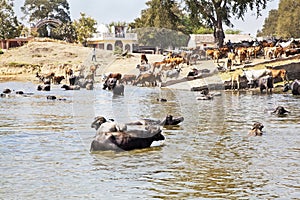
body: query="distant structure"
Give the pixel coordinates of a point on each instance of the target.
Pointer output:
(116, 37)
(207, 40)
(20, 41)
(39, 24)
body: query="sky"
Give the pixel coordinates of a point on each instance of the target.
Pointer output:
(107, 11)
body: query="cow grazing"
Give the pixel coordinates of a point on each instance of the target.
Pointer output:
(256, 129)
(295, 87)
(266, 83)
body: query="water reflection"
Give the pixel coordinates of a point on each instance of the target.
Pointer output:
(45, 146)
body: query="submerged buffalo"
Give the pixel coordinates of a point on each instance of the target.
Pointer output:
(280, 111)
(256, 129)
(115, 136)
(295, 87)
(168, 121)
(127, 140)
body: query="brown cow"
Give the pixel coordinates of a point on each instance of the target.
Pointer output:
(216, 55)
(236, 76)
(148, 77)
(253, 50)
(289, 52)
(46, 78)
(128, 78)
(57, 79)
(231, 60)
(116, 76)
(242, 54)
(210, 52)
(280, 73)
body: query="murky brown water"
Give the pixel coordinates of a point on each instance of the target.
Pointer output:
(45, 146)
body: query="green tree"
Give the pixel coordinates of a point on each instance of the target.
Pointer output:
(10, 26)
(288, 23)
(215, 13)
(66, 32)
(161, 37)
(36, 10)
(231, 31)
(270, 24)
(160, 14)
(85, 27)
(203, 30)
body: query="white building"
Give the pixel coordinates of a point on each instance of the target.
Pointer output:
(110, 40)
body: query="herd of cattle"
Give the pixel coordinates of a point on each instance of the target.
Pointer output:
(155, 73)
(239, 53)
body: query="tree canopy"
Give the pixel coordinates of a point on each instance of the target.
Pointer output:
(85, 27)
(284, 22)
(270, 24)
(36, 10)
(10, 26)
(215, 13)
(161, 37)
(288, 22)
(160, 14)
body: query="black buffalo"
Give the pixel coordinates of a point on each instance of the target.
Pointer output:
(295, 87)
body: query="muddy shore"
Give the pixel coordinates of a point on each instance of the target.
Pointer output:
(44, 56)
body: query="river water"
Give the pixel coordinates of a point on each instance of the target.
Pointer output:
(45, 146)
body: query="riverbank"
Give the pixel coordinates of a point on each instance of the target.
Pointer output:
(45, 55)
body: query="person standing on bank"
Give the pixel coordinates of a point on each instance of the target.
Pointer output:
(94, 54)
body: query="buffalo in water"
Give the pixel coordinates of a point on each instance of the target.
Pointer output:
(256, 129)
(295, 87)
(280, 111)
(168, 121)
(114, 136)
(127, 140)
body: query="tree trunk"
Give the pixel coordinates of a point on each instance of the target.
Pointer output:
(219, 33)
